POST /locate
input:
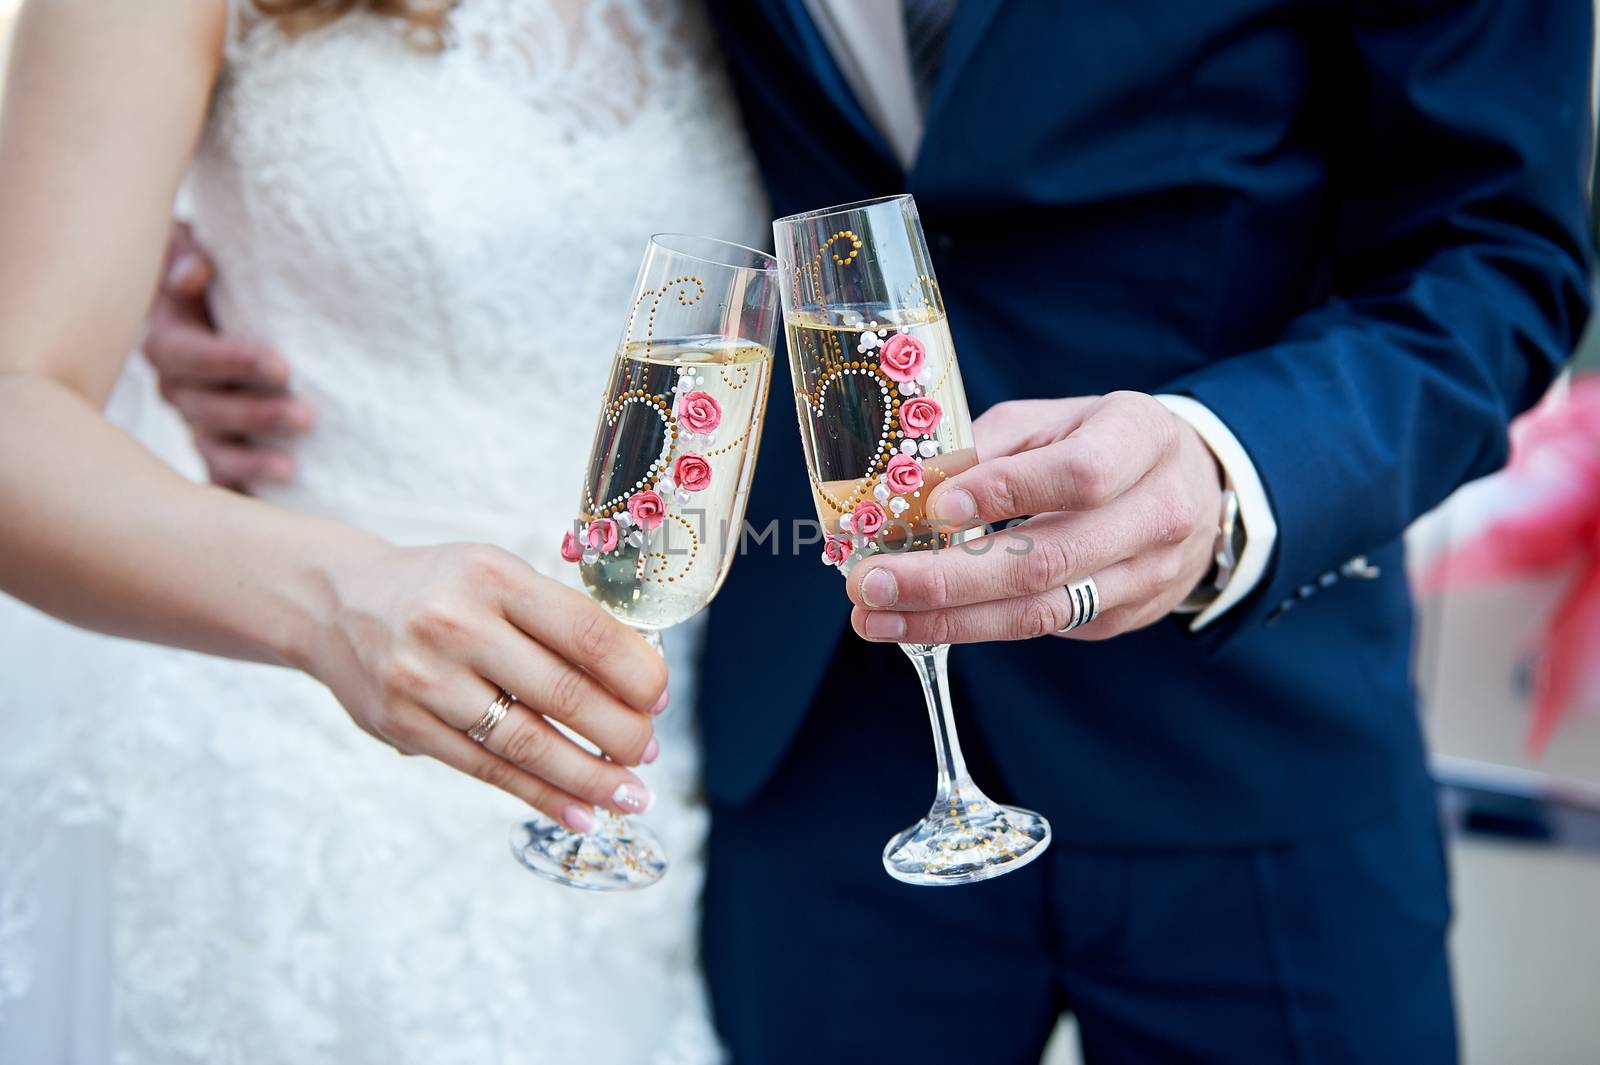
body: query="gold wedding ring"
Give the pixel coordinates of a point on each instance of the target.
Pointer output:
(496, 713)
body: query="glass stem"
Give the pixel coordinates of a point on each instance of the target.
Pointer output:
(613, 820)
(932, 662)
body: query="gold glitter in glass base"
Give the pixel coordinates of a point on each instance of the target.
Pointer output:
(966, 839)
(619, 855)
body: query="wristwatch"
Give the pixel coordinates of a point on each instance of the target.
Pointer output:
(1225, 556)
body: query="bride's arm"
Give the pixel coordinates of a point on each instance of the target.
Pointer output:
(103, 108)
(104, 105)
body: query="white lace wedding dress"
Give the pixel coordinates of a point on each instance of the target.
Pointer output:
(203, 861)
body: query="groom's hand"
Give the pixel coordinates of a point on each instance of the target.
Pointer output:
(234, 394)
(1118, 489)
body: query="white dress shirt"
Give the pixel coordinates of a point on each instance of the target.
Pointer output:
(868, 41)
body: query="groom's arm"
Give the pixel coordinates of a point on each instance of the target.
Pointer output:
(234, 393)
(1461, 278)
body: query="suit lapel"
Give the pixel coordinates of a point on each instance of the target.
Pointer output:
(795, 26)
(972, 20)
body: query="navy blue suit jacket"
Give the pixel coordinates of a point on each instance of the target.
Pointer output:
(1355, 230)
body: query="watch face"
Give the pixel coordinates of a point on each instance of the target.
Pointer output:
(1225, 556)
(1236, 540)
(1230, 539)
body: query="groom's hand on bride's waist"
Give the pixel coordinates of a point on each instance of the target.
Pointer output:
(234, 394)
(1118, 489)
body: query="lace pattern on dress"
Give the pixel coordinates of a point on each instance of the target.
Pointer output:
(442, 245)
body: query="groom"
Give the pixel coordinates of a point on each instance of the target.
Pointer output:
(1343, 243)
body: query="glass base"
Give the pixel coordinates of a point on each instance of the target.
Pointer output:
(964, 840)
(620, 855)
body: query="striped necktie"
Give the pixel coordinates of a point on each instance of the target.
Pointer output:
(927, 30)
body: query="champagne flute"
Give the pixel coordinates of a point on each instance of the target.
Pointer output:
(884, 419)
(663, 501)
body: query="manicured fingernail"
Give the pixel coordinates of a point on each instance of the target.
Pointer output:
(650, 751)
(886, 626)
(955, 507)
(300, 418)
(184, 270)
(272, 368)
(579, 818)
(661, 703)
(633, 798)
(878, 588)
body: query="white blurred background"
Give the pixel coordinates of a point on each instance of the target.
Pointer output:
(1527, 936)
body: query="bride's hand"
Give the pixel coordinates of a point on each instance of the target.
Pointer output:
(418, 641)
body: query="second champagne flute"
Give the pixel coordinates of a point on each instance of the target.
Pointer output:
(884, 419)
(662, 507)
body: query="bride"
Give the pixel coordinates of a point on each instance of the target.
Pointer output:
(437, 216)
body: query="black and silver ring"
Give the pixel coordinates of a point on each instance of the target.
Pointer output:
(1085, 597)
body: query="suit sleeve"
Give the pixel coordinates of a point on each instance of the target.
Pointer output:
(1460, 279)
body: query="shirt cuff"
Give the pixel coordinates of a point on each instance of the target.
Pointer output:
(1255, 510)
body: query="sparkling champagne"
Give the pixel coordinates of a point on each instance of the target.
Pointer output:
(883, 418)
(663, 503)
(662, 507)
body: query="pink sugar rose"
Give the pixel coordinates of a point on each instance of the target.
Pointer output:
(835, 549)
(701, 412)
(867, 518)
(571, 550)
(692, 472)
(920, 415)
(903, 475)
(602, 535)
(902, 357)
(647, 508)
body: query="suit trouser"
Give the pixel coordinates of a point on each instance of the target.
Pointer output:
(1328, 949)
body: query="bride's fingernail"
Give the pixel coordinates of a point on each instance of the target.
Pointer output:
(579, 818)
(633, 798)
(661, 703)
(651, 749)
